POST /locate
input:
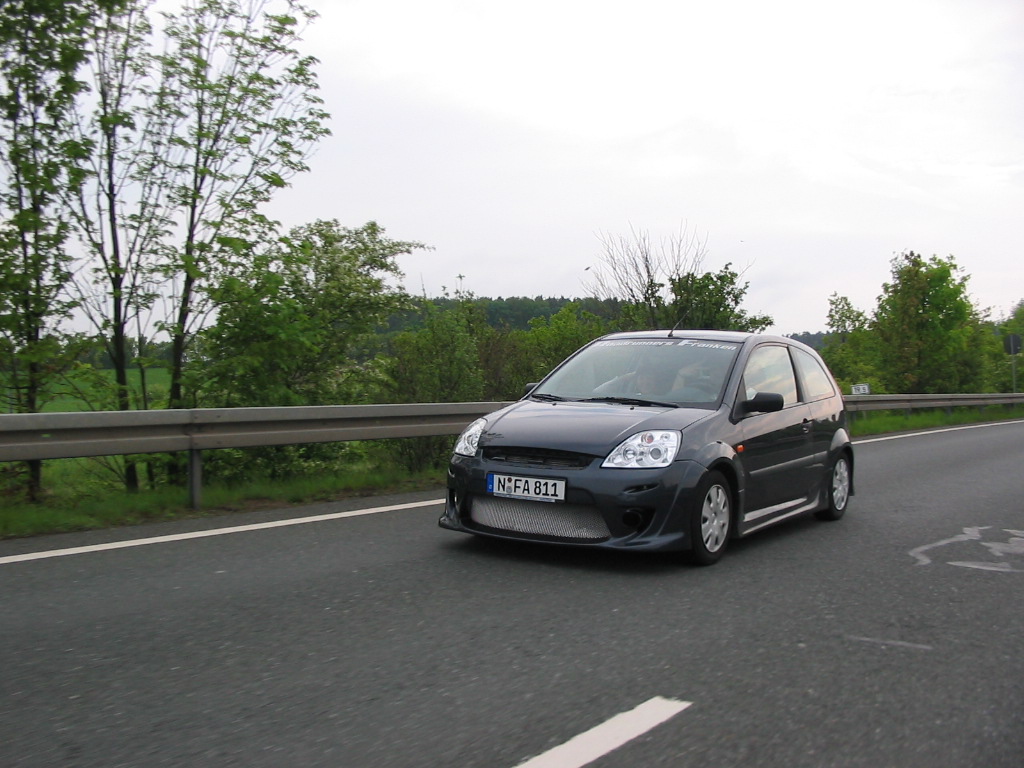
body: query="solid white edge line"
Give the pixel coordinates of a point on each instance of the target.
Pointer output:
(212, 532)
(935, 431)
(609, 735)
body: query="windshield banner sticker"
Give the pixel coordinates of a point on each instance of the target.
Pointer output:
(669, 343)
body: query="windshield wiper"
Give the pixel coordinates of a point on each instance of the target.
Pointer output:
(546, 396)
(630, 401)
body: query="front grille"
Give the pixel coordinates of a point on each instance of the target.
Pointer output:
(563, 521)
(538, 457)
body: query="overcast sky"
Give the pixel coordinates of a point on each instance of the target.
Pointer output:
(808, 141)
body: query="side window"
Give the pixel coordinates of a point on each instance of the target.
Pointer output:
(770, 370)
(817, 384)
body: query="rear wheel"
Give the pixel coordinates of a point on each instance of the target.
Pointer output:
(712, 520)
(839, 486)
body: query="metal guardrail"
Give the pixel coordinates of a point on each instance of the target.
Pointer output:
(856, 403)
(27, 436)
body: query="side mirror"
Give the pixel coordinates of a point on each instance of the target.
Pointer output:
(529, 388)
(763, 402)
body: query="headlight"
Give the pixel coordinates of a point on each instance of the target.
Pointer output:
(645, 450)
(470, 437)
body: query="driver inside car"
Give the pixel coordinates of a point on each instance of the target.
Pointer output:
(647, 380)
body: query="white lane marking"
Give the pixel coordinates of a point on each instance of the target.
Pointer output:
(611, 734)
(212, 532)
(898, 643)
(934, 432)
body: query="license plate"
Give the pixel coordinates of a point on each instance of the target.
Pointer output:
(533, 488)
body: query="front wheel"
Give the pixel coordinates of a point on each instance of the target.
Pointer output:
(712, 519)
(840, 483)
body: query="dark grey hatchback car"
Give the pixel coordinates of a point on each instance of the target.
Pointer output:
(658, 440)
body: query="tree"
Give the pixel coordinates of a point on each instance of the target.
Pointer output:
(42, 47)
(667, 287)
(927, 328)
(551, 340)
(235, 115)
(1015, 322)
(286, 326)
(635, 271)
(119, 209)
(850, 349)
(189, 137)
(289, 331)
(440, 363)
(711, 301)
(1005, 372)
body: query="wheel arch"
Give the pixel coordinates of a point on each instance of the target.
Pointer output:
(730, 472)
(842, 445)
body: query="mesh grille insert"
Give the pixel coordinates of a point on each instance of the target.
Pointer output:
(564, 521)
(537, 457)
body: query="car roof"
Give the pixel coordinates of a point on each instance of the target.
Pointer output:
(736, 337)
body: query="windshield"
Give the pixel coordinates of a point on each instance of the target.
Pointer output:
(687, 372)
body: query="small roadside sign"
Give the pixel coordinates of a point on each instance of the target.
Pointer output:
(1011, 343)
(860, 389)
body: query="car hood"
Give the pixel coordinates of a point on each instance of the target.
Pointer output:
(593, 428)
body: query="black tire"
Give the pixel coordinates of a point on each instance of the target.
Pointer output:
(711, 520)
(840, 483)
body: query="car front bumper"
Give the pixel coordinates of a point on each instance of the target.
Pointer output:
(635, 509)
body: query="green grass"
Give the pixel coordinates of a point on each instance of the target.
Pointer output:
(79, 498)
(882, 422)
(81, 495)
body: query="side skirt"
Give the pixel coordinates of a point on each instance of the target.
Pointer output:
(755, 521)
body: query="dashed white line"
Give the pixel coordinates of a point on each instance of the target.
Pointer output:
(609, 735)
(213, 532)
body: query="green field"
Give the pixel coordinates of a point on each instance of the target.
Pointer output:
(94, 392)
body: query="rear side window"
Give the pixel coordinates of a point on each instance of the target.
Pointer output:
(769, 370)
(817, 384)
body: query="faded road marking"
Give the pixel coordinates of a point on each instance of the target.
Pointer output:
(969, 534)
(1001, 549)
(897, 643)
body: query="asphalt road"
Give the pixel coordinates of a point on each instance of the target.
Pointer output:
(894, 637)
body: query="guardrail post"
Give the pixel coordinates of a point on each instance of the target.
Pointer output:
(195, 477)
